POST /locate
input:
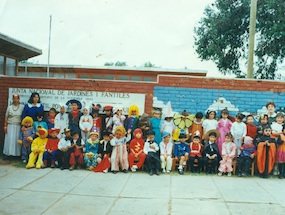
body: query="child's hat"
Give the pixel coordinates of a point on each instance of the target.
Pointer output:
(247, 140)
(94, 133)
(156, 110)
(27, 119)
(165, 134)
(106, 133)
(42, 131)
(71, 101)
(150, 132)
(66, 130)
(137, 130)
(108, 107)
(182, 135)
(40, 114)
(115, 109)
(206, 137)
(57, 130)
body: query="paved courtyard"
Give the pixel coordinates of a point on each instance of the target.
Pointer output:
(52, 191)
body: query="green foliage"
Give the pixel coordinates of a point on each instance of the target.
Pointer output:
(149, 64)
(222, 36)
(109, 64)
(118, 63)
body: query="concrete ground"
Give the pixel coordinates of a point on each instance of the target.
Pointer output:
(52, 191)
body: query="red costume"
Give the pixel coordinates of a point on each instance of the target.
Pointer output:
(251, 130)
(136, 147)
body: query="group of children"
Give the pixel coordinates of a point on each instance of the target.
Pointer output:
(115, 142)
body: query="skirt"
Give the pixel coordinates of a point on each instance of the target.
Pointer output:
(11, 147)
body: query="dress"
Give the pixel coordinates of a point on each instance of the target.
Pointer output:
(224, 126)
(155, 123)
(118, 121)
(238, 130)
(196, 129)
(276, 127)
(61, 122)
(209, 124)
(168, 127)
(91, 146)
(11, 147)
(251, 130)
(26, 144)
(228, 154)
(31, 110)
(85, 122)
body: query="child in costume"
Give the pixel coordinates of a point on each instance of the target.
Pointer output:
(104, 152)
(210, 122)
(168, 126)
(181, 153)
(266, 151)
(270, 106)
(238, 131)
(211, 152)
(37, 149)
(224, 126)
(246, 157)
(196, 153)
(251, 129)
(119, 157)
(97, 120)
(64, 150)
(280, 155)
(228, 154)
(263, 122)
(40, 123)
(152, 157)
(85, 124)
(107, 120)
(144, 125)
(26, 137)
(51, 117)
(196, 127)
(156, 123)
(277, 126)
(136, 151)
(61, 120)
(91, 155)
(76, 156)
(118, 118)
(166, 152)
(132, 122)
(51, 147)
(74, 115)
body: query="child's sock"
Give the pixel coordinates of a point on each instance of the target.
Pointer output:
(180, 167)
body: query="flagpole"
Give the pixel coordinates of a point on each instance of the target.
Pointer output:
(50, 19)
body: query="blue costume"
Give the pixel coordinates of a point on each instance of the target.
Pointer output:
(155, 122)
(181, 149)
(31, 110)
(91, 146)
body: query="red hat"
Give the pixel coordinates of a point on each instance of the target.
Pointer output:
(57, 130)
(108, 107)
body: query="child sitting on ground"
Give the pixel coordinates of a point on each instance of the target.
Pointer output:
(76, 157)
(195, 153)
(92, 145)
(152, 157)
(211, 151)
(51, 147)
(228, 154)
(166, 152)
(181, 152)
(248, 152)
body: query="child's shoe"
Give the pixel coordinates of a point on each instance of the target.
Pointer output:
(163, 170)
(167, 171)
(239, 174)
(125, 171)
(52, 164)
(220, 174)
(72, 167)
(133, 168)
(229, 174)
(150, 172)
(105, 170)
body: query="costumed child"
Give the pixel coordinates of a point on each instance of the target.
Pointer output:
(280, 155)
(181, 152)
(224, 126)
(270, 106)
(238, 131)
(263, 122)
(152, 156)
(40, 123)
(97, 120)
(136, 151)
(196, 127)
(277, 126)
(196, 153)
(228, 154)
(155, 122)
(144, 125)
(118, 118)
(246, 157)
(104, 152)
(37, 149)
(119, 157)
(211, 154)
(26, 137)
(181, 126)
(61, 120)
(74, 115)
(107, 120)
(51, 147)
(64, 150)
(76, 156)
(166, 152)
(132, 122)
(210, 122)
(266, 150)
(91, 155)
(85, 124)
(251, 129)
(50, 118)
(168, 126)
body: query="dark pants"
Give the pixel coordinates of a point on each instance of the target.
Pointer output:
(244, 164)
(191, 162)
(211, 164)
(63, 158)
(153, 162)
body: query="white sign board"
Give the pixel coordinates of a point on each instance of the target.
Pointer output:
(53, 98)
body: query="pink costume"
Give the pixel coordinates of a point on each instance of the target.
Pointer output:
(224, 126)
(228, 154)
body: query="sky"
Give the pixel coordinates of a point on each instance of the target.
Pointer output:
(93, 32)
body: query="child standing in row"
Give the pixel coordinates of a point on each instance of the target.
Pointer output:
(238, 131)
(166, 152)
(210, 122)
(251, 129)
(85, 124)
(228, 154)
(196, 128)
(61, 121)
(224, 126)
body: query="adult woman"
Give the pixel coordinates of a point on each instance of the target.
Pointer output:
(33, 106)
(12, 127)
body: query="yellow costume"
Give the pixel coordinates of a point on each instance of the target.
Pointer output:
(38, 148)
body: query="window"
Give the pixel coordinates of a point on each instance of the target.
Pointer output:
(22, 74)
(34, 74)
(1, 65)
(109, 77)
(70, 75)
(10, 66)
(136, 78)
(96, 76)
(123, 77)
(84, 76)
(57, 75)
(148, 79)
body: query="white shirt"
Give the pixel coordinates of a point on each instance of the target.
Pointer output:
(238, 129)
(209, 124)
